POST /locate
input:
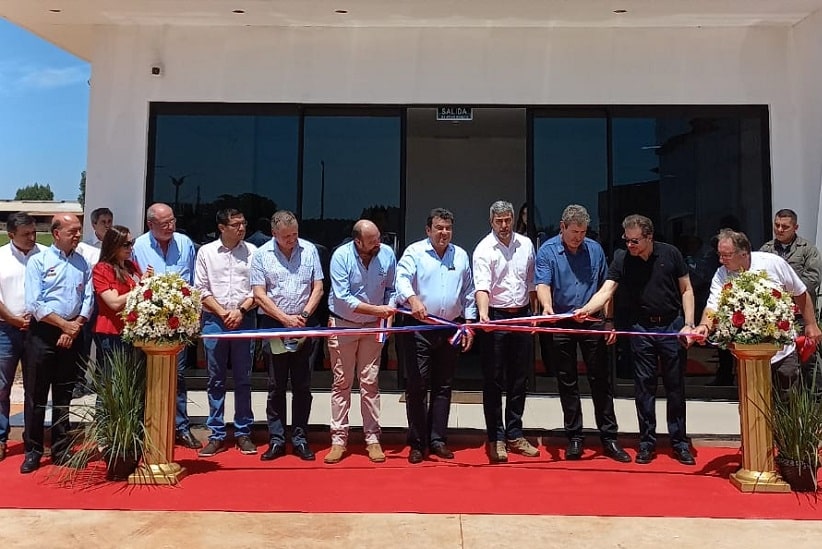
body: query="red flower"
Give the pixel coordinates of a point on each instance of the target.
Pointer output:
(738, 319)
(173, 322)
(131, 318)
(727, 286)
(147, 294)
(776, 293)
(783, 325)
(185, 291)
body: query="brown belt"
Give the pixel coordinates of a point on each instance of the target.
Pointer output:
(511, 309)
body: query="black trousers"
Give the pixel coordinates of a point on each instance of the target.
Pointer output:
(294, 365)
(650, 354)
(507, 358)
(48, 366)
(563, 356)
(430, 361)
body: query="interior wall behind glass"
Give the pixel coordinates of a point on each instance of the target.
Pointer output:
(351, 170)
(203, 163)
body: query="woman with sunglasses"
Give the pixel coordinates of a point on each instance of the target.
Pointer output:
(114, 276)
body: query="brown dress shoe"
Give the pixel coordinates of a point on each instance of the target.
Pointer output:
(2, 451)
(522, 446)
(375, 452)
(496, 452)
(442, 451)
(335, 455)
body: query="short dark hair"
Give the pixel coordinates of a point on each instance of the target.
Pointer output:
(17, 219)
(225, 214)
(785, 212)
(636, 220)
(96, 213)
(442, 213)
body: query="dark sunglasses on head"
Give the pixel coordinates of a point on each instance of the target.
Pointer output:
(633, 241)
(128, 244)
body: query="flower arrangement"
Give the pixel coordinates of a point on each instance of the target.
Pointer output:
(162, 309)
(753, 309)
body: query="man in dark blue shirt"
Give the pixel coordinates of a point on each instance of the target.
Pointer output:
(569, 270)
(659, 299)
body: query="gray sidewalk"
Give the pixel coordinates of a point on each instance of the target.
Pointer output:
(713, 419)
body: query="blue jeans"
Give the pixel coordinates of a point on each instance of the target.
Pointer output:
(666, 354)
(219, 353)
(181, 420)
(11, 352)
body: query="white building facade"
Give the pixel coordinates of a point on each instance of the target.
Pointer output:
(692, 112)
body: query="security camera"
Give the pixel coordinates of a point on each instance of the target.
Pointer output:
(156, 70)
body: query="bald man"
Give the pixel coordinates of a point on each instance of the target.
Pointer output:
(58, 294)
(164, 250)
(362, 293)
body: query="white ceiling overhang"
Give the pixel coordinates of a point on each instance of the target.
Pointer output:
(68, 23)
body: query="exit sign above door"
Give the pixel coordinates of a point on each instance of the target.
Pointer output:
(455, 112)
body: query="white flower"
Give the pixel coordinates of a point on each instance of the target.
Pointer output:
(162, 309)
(754, 309)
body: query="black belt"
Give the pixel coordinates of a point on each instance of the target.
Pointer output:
(657, 320)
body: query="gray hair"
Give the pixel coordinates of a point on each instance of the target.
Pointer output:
(574, 214)
(737, 238)
(636, 220)
(501, 207)
(151, 212)
(283, 218)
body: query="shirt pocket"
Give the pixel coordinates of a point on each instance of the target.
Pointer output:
(305, 274)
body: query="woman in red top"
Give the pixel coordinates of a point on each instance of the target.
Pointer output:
(114, 276)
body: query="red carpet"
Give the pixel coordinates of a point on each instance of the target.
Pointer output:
(542, 486)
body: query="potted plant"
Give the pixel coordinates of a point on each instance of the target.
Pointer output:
(113, 426)
(796, 422)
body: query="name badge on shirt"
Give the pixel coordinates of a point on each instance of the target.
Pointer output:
(51, 272)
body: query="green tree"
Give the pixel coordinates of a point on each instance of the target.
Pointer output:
(34, 192)
(81, 198)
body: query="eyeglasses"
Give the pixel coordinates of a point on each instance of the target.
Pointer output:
(632, 241)
(727, 255)
(238, 224)
(165, 224)
(128, 244)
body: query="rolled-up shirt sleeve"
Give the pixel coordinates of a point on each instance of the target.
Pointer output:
(406, 271)
(340, 286)
(88, 295)
(201, 275)
(34, 270)
(482, 272)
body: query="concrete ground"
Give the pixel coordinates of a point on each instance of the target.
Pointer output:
(708, 421)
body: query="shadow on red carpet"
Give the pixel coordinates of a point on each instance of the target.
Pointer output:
(546, 485)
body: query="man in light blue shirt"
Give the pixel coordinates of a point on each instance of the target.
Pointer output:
(570, 268)
(362, 294)
(58, 295)
(433, 278)
(163, 250)
(287, 281)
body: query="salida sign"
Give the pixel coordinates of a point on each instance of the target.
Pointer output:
(455, 112)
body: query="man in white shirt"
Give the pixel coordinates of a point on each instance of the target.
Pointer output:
(504, 283)
(101, 221)
(222, 274)
(734, 250)
(14, 320)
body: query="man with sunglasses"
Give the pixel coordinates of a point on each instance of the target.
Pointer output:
(658, 296)
(223, 275)
(164, 250)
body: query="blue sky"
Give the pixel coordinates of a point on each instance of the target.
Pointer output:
(44, 96)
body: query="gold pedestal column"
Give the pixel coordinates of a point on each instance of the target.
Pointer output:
(758, 473)
(158, 465)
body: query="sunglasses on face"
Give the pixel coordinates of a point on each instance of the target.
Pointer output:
(128, 244)
(634, 241)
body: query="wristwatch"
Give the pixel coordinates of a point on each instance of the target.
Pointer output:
(305, 314)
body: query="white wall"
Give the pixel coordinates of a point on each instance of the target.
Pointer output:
(806, 67)
(549, 66)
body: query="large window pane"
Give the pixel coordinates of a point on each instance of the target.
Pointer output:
(351, 170)
(206, 162)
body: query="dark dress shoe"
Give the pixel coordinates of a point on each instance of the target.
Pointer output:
(303, 452)
(187, 439)
(613, 450)
(645, 456)
(61, 459)
(683, 456)
(442, 451)
(274, 451)
(415, 456)
(574, 450)
(30, 464)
